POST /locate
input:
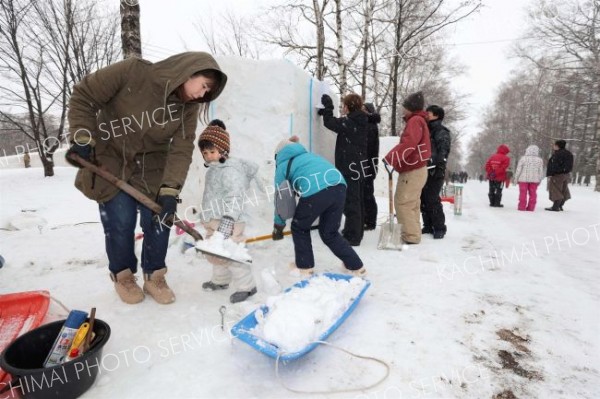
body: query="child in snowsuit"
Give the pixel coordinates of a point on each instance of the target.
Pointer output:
(222, 213)
(495, 168)
(530, 172)
(322, 191)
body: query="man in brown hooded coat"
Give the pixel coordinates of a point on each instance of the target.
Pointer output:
(138, 120)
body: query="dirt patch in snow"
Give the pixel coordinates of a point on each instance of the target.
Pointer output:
(505, 395)
(517, 341)
(509, 362)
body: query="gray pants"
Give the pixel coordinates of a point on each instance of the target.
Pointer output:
(225, 272)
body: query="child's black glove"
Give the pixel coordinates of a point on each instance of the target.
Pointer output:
(277, 232)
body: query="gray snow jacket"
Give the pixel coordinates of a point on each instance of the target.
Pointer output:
(225, 189)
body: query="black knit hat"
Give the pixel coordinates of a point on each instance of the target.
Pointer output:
(561, 144)
(414, 102)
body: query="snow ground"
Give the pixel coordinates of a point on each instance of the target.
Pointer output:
(446, 314)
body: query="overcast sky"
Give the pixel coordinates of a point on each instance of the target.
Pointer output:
(481, 43)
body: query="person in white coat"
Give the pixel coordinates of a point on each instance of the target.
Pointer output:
(529, 174)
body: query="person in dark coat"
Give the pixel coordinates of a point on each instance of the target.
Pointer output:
(559, 167)
(495, 168)
(434, 220)
(350, 157)
(371, 167)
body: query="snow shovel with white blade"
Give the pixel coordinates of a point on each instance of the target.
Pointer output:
(390, 236)
(153, 206)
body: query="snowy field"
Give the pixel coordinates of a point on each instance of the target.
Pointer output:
(507, 302)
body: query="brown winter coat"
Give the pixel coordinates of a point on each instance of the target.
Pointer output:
(144, 134)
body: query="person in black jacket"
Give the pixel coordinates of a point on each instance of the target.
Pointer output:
(350, 158)
(370, 170)
(559, 167)
(434, 220)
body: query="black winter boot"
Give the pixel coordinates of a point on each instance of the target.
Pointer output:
(240, 296)
(427, 230)
(439, 233)
(498, 199)
(560, 206)
(555, 207)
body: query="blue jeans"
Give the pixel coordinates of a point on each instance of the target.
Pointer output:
(119, 217)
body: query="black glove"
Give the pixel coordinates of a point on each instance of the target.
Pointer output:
(167, 199)
(226, 226)
(327, 101)
(321, 111)
(277, 232)
(83, 150)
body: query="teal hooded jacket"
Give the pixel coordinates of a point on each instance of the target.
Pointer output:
(309, 173)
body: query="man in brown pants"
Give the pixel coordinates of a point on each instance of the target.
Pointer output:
(409, 158)
(559, 167)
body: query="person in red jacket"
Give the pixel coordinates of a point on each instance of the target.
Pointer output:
(496, 167)
(409, 158)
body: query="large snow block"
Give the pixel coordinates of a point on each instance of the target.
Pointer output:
(267, 101)
(263, 103)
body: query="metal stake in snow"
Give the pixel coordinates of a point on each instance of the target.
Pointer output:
(458, 198)
(222, 310)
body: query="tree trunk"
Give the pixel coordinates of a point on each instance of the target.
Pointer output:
(131, 39)
(340, 48)
(395, 68)
(320, 68)
(48, 167)
(597, 188)
(368, 21)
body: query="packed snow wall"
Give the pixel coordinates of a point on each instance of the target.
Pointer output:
(263, 103)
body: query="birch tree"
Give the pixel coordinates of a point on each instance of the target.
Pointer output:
(131, 37)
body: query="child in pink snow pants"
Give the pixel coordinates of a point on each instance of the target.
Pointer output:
(530, 171)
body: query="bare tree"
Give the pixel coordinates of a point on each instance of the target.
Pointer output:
(415, 22)
(570, 33)
(46, 46)
(299, 28)
(362, 27)
(131, 38)
(232, 36)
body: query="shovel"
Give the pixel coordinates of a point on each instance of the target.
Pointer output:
(153, 206)
(390, 236)
(270, 236)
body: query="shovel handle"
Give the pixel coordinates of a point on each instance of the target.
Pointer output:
(129, 189)
(269, 236)
(390, 172)
(265, 237)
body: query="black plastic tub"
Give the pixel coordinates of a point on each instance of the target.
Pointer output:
(24, 359)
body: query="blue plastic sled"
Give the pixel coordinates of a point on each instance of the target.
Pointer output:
(242, 329)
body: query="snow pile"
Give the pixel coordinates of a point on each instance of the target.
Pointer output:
(27, 220)
(300, 316)
(218, 245)
(269, 282)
